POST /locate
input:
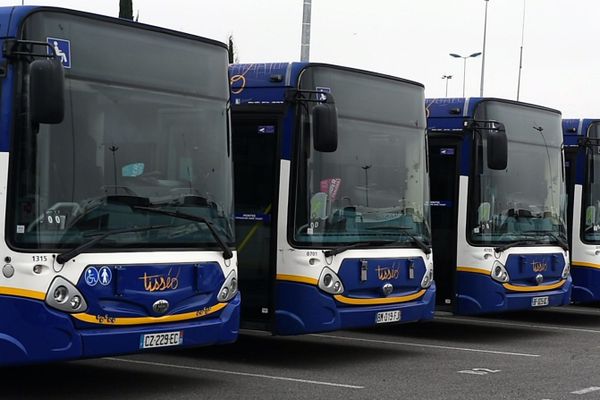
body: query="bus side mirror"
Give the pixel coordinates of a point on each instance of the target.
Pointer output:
(497, 149)
(324, 117)
(46, 91)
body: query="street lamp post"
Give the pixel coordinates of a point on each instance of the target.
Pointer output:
(521, 53)
(305, 45)
(483, 50)
(366, 168)
(446, 78)
(465, 65)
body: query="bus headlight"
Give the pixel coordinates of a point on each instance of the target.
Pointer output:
(75, 302)
(61, 294)
(64, 296)
(566, 270)
(427, 278)
(329, 282)
(499, 273)
(229, 288)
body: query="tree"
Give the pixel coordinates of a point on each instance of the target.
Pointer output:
(126, 9)
(231, 50)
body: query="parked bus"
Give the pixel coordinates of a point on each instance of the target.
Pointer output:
(116, 188)
(331, 188)
(498, 205)
(582, 154)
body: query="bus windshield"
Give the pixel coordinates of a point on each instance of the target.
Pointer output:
(590, 228)
(526, 201)
(134, 134)
(374, 187)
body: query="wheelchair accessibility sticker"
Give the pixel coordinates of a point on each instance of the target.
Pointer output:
(322, 89)
(91, 276)
(62, 48)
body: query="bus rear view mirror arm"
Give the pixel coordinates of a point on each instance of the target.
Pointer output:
(497, 142)
(46, 79)
(324, 117)
(325, 136)
(46, 91)
(497, 150)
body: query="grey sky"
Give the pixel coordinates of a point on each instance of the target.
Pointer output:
(407, 38)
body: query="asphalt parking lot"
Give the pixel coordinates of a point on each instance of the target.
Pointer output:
(548, 353)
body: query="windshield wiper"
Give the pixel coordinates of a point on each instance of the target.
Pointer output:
(187, 200)
(561, 242)
(357, 245)
(507, 246)
(227, 253)
(66, 256)
(420, 244)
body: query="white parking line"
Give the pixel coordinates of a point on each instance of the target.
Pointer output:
(573, 310)
(516, 324)
(430, 346)
(586, 390)
(220, 371)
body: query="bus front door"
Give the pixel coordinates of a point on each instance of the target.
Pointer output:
(255, 174)
(444, 188)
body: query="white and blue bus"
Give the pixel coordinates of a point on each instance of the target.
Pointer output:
(331, 194)
(116, 194)
(498, 205)
(582, 153)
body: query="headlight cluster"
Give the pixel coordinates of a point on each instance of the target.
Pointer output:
(229, 288)
(329, 282)
(499, 272)
(64, 296)
(427, 278)
(566, 270)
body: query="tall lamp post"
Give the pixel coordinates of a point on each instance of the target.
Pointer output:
(305, 45)
(446, 78)
(366, 168)
(465, 65)
(521, 53)
(483, 50)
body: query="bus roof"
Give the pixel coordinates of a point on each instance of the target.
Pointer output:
(278, 76)
(11, 19)
(465, 107)
(578, 127)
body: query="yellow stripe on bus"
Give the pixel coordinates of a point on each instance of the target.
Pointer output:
(108, 320)
(30, 294)
(297, 278)
(585, 264)
(386, 300)
(538, 288)
(473, 270)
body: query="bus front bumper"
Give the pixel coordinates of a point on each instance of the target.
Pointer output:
(31, 332)
(305, 309)
(480, 294)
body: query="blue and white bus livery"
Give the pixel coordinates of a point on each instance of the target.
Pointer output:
(331, 198)
(116, 192)
(582, 145)
(498, 205)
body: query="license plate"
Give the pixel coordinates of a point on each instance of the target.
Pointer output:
(153, 340)
(387, 316)
(539, 301)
